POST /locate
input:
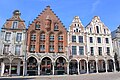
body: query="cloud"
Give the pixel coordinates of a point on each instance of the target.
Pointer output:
(94, 5)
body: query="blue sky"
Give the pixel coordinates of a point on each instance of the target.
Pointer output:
(108, 10)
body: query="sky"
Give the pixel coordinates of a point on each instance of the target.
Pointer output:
(107, 10)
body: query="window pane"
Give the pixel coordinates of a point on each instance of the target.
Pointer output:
(73, 38)
(91, 40)
(74, 51)
(19, 37)
(14, 25)
(80, 39)
(7, 36)
(81, 50)
(17, 49)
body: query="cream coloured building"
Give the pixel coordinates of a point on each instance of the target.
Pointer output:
(13, 46)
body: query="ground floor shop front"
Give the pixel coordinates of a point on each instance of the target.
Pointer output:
(57, 65)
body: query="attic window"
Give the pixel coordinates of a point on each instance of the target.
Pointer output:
(76, 30)
(37, 25)
(15, 24)
(78, 24)
(55, 27)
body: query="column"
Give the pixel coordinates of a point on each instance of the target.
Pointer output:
(78, 68)
(96, 66)
(68, 68)
(53, 67)
(24, 68)
(106, 66)
(87, 68)
(38, 68)
(10, 69)
(2, 68)
(114, 65)
(18, 68)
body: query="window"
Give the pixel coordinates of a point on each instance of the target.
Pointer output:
(19, 37)
(74, 51)
(73, 38)
(51, 47)
(91, 39)
(32, 48)
(80, 39)
(100, 51)
(17, 49)
(14, 25)
(7, 36)
(81, 50)
(33, 37)
(108, 50)
(56, 27)
(37, 25)
(92, 51)
(51, 37)
(60, 47)
(60, 37)
(6, 49)
(42, 36)
(104, 31)
(107, 40)
(99, 40)
(76, 30)
(90, 30)
(97, 28)
(42, 47)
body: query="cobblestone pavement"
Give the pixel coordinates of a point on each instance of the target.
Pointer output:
(99, 76)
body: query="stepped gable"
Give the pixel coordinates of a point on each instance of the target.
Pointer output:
(47, 14)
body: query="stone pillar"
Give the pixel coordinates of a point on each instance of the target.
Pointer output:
(24, 68)
(87, 68)
(18, 68)
(68, 68)
(114, 65)
(78, 68)
(106, 65)
(38, 68)
(10, 69)
(53, 68)
(2, 68)
(96, 66)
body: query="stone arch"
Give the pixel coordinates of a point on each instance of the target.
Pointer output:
(33, 56)
(101, 65)
(83, 65)
(73, 66)
(61, 56)
(32, 66)
(46, 65)
(48, 57)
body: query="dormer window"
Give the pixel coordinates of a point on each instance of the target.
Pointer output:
(104, 31)
(37, 25)
(15, 23)
(56, 27)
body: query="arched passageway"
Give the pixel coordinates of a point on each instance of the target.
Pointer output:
(46, 66)
(73, 67)
(60, 66)
(32, 67)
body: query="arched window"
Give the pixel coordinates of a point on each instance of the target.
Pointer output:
(37, 25)
(97, 28)
(56, 27)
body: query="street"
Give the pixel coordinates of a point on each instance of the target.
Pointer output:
(95, 76)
